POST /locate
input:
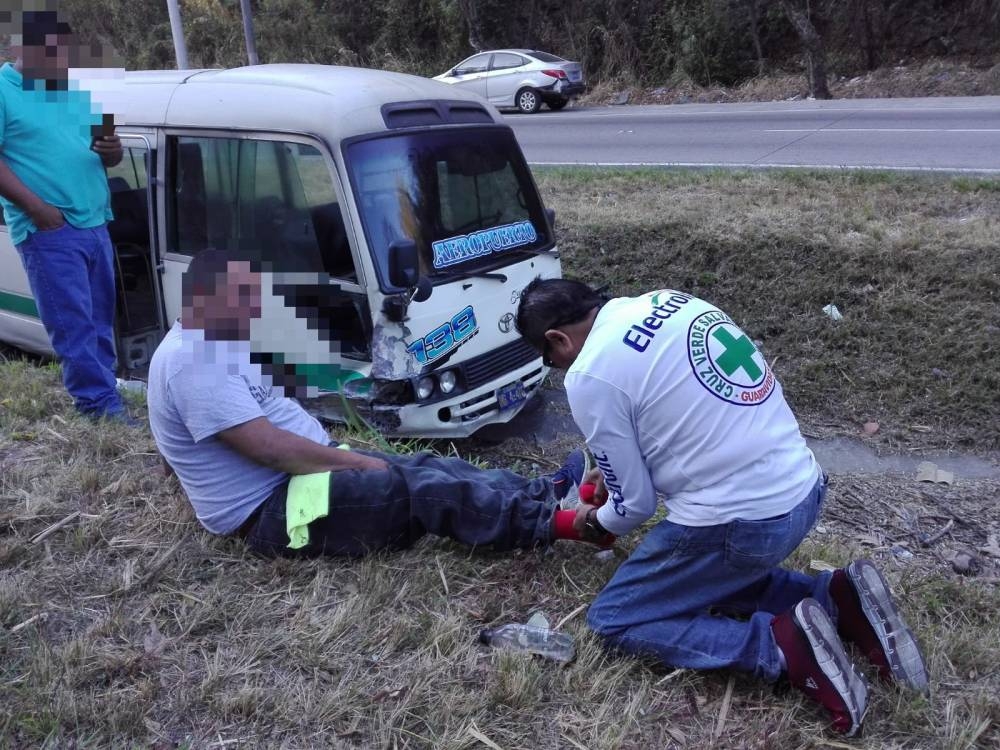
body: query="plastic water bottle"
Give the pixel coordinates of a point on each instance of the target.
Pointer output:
(534, 640)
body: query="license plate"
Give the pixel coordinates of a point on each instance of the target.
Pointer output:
(511, 395)
(574, 76)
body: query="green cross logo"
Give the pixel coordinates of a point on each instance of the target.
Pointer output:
(738, 355)
(717, 351)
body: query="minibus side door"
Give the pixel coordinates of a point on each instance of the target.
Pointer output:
(140, 316)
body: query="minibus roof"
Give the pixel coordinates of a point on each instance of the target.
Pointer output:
(330, 101)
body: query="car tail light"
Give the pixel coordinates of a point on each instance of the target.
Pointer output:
(555, 73)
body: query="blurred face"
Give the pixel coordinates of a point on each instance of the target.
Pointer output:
(227, 313)
(49, 61)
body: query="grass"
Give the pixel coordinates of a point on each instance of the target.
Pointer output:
(124, 624)
(130, 626)
(911, 263)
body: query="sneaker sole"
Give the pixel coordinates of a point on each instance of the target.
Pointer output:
(898, 642)
(833, 660)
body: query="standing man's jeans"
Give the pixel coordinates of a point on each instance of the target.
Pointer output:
(421, 494)
(703, 597)
(72, 277)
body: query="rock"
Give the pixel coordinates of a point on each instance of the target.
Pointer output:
(870, 428)
(659, 92)
(901, 553)
(622, 98)
(964, 562)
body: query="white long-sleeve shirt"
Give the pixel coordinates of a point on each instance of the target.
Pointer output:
(673, 398)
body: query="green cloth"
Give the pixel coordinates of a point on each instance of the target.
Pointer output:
(308, 499)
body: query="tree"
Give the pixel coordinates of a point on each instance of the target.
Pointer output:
(753, 8)
(813, 42)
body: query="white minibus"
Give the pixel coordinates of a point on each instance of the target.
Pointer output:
(395, 218)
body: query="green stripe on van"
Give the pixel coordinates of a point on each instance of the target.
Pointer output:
(327, 377)
(15, 303)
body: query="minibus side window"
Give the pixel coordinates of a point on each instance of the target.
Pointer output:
(131, 170)
(267, 199)
(128, 182)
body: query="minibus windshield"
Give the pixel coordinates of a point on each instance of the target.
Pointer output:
(465, 196)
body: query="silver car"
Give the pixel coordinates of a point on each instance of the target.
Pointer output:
(520, 78)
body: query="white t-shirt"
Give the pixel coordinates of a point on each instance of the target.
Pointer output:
(673, 398)
(199, 388)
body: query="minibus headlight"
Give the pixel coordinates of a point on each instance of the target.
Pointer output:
(447, 380)
(425, 387)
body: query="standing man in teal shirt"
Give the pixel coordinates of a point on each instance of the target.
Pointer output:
(54, 193)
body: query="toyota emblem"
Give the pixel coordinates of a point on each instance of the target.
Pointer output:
(506, 323)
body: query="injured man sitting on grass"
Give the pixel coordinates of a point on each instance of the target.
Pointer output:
(254, 464)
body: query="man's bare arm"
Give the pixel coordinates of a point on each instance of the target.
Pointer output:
(263, 443)
(43, 215)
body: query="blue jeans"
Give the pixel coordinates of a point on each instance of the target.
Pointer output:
(419, 494)
(703, 597)
(72, 277)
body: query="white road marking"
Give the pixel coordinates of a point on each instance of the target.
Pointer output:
(663, 110)
(882, 130)
(762, 165)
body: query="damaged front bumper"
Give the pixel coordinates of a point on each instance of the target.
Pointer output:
(377, 405)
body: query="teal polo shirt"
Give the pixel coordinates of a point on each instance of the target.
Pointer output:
(45, 139)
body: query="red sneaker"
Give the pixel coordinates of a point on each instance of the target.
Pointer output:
(868, 617)
(818, 665)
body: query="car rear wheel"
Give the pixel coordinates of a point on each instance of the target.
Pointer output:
(557, 104)
(528, 101)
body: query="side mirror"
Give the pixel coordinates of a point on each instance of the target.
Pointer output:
(404, 264)
(550, 214)
(404, 274)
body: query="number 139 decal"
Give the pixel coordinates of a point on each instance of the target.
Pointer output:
(445, 337)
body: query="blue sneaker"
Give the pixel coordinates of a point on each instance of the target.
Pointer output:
(569, 475)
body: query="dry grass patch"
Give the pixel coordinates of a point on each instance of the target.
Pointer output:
(911, 263)
(129, 626)
(933, 77)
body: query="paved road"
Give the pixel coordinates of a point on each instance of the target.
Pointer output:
(937, 134)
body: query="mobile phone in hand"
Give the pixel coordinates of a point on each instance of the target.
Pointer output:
(105, 128)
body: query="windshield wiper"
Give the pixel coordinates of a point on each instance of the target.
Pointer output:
(501, 277)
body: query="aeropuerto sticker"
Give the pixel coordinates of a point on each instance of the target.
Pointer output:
(726, 362)
(456, 250)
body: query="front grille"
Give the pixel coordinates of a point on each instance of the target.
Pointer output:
(484, 368)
